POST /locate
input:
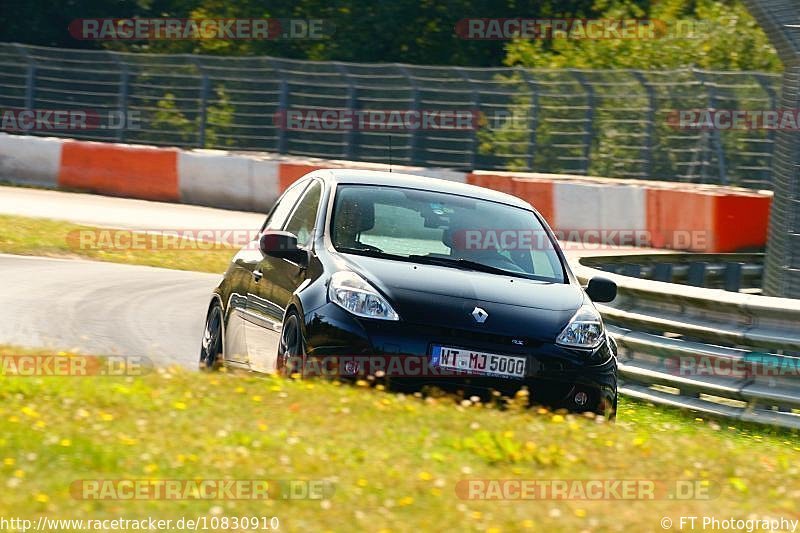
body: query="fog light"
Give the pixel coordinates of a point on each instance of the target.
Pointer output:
(581, 398)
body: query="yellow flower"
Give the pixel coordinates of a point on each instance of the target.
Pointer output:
(527, 524)
(361, 482)
(557, 419)
(30, 411)
(239, 390)
(9, 461)
(262, 427)
(404, 501)
(436, 491)
(13, 419)
(19, 473)
(580, 513)
(66, 443)
(257, 398)
(151, 468)
(42, 498)
(476, 515)
(106, 417)
(362, 383)
(425, 476)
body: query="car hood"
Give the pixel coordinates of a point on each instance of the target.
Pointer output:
(438, 295)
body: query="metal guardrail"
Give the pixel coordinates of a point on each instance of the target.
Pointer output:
(721, 353)
(611, 123)
(731, 272)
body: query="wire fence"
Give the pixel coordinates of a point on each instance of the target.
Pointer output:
(589, 122)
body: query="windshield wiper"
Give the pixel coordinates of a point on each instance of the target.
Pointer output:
(369, 252)
(464, 264)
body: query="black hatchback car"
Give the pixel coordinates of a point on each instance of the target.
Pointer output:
(419, 280)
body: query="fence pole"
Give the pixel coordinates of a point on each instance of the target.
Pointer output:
(205, 94)
(30, 77)
(533, 119)
(589, 118)
(716, 137)
(476, 105)
(413, 142)
(352, 102)
(122, 93)
(773, 104)
(647, 148)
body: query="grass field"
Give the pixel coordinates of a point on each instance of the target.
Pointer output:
(53, 238)
(392, 461)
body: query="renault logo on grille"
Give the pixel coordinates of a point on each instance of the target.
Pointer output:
(479, 315)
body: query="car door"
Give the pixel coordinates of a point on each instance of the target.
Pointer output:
(279, 278)
(253, 299)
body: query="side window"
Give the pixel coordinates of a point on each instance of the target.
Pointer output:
(285, 205)
(302, 221)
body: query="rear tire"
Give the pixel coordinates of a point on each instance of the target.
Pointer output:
(211, 357)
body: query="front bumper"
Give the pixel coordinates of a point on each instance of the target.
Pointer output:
(555, 376)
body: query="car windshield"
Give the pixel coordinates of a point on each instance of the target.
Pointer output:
(446, 229)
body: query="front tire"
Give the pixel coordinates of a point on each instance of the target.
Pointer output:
(291, 350)
(211, 357)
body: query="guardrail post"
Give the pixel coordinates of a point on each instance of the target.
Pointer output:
(733, 277)
(663, 272)
(633, 270)
(697, 274)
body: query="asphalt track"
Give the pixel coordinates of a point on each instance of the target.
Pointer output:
(103, 308)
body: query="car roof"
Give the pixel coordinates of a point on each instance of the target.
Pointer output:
(395, 179)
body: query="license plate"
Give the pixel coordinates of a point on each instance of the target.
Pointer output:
(478, 363)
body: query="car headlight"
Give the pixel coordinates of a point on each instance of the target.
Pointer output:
(585, 329)
(353, 293)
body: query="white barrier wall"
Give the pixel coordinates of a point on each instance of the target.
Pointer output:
(30, 160)
(227, 180)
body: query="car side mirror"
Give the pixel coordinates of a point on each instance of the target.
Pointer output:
(601, 289)
(282, 244)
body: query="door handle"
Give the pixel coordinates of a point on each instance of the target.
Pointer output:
(257, 275)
